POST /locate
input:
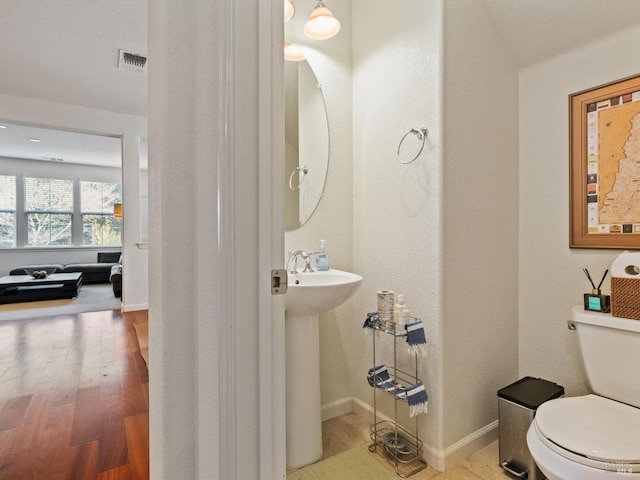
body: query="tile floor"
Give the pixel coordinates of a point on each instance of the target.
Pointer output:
(350, 431)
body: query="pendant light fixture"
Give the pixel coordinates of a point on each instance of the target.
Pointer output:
(322, 24)
(292, 53)
(289, 10)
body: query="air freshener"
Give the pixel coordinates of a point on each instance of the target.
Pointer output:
(595, 301)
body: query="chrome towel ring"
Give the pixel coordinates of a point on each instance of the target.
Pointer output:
(301, 171)
(421, 133)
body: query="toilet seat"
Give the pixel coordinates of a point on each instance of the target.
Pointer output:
(593, 431)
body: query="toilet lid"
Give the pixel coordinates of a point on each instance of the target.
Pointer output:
(592, 426)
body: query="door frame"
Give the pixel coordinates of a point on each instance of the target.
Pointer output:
(216, 196)
(254, 94)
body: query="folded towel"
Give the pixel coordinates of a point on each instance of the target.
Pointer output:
(417, 399)
(379, 375)
(416, 338)
(389, 386)
(399, 391)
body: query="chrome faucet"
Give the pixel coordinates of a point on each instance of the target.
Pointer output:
(292, 263)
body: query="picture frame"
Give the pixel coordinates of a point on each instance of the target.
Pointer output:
(604, 166)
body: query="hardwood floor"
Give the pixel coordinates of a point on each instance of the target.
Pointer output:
(74, 398)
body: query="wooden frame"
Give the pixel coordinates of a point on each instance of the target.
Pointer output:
(604, 168)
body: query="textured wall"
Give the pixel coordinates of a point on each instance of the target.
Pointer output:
(401, 212)
(549, 269)
(185, 271)
(397, 237)
(466, 233)
(480, 220)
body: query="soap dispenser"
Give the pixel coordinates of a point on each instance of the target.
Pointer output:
(322, 259)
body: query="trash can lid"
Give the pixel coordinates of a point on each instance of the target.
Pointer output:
(531, 392)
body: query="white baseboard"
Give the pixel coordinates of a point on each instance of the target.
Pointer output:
(441, 460)
(134, 308)
(469, 445)
(337, 408)
(364, 410)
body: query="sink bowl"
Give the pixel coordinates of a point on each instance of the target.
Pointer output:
(319, 291)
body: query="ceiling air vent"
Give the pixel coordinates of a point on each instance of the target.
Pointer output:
(132, 61)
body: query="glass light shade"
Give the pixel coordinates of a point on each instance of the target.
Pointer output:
(289, 10)
(292, 53)
(117, 210)
(322, 24)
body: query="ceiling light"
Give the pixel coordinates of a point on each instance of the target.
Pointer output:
(322, 24)
(3, 126)
(289, 10)
(292, 53)
(36, 140)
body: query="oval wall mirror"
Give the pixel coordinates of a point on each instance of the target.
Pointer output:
(306, 144)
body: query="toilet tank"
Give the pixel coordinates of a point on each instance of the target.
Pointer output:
(610, 349)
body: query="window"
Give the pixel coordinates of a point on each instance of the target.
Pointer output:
(7, 211)
(58, 212)
(49, 211)
(99, 226)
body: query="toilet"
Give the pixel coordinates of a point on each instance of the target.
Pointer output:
(595, 436)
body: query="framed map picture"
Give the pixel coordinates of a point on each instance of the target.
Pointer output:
(604, 160)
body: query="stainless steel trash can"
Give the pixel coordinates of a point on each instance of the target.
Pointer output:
(517, 405)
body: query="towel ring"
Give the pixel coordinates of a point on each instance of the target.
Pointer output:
(421, 133)
(301, 171)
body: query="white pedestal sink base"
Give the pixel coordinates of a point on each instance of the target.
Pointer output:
(309, 294)
(304, 416)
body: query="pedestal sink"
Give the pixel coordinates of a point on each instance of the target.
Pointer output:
(308, 295)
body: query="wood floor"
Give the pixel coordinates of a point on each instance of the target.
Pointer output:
(74, 398)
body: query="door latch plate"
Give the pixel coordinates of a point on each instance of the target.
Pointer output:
(279, 281)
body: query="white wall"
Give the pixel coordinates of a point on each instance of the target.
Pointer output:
(130, 129)
(184, 293)
(551, 278)
(480, 222)
(397, 85)
(442, 230)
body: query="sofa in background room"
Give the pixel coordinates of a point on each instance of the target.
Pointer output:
(92, 272)
(116, 278)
